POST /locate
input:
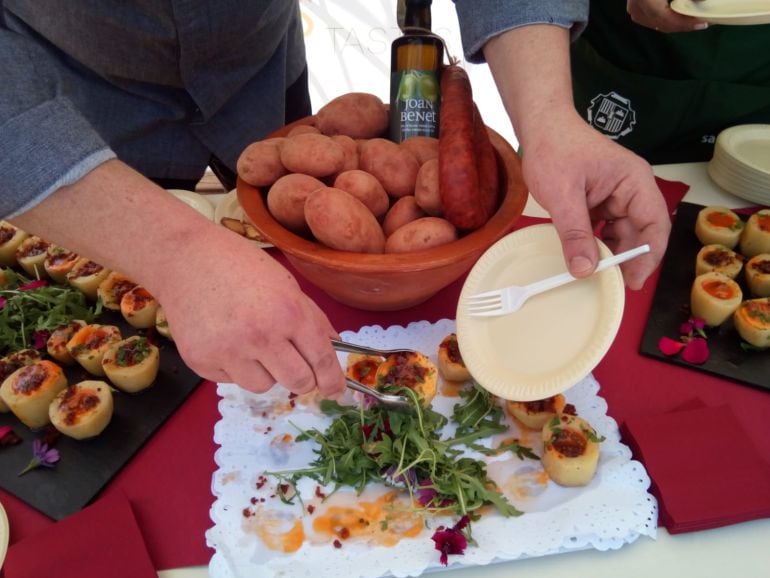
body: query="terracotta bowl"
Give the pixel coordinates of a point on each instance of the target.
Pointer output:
(389, 282)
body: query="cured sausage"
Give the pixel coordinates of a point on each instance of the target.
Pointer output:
(458, 172)
(486, 165)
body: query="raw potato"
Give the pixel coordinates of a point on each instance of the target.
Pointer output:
(366, 188)
(340, 221)
(421, 234)
(395, 167)
(316, 155)
(355, 114)
(303, 129)
(286, 200)
(424, 148)
(350, 147)
(426, 191)
(403, 211)
(260, 163)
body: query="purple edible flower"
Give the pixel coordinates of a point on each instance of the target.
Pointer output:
(33, 285)
(42, 455)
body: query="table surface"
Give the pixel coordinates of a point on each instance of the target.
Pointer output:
(740, 549)
(737, 550)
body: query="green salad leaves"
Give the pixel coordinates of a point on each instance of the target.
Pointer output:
(31, 309)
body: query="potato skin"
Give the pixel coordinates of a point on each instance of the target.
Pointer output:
(350, 147)
(355, 114)
(403, 211)
(340, 221)
(260, 163)
(395, 167)
(424, 148)
(426, 190)
(316, 155)
(366, 188)
(421, 234)
(286, 199)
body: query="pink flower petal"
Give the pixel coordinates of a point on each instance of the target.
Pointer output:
(2, 303)
(685, 328)
(668, 346)
(698, 323)
(34, 285)
(696, 351)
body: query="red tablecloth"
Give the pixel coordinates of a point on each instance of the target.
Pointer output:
(168, 483)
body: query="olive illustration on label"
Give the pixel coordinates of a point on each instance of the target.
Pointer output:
(407, 87)
(429, 87)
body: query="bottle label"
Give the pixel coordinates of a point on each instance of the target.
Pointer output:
(414, 104)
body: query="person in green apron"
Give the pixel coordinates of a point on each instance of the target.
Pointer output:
(666, 96)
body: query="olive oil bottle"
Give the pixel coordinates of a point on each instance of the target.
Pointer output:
(415, 66)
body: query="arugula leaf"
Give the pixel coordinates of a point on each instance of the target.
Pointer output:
(25, 311)
(405, 449)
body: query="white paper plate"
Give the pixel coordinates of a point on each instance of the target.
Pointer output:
(229, 206)
(748, 145)
(4, 534)
(556, 338)
(725, 11)
(197, 201)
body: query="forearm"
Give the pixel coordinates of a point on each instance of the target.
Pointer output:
(531, 68)
(118, 218)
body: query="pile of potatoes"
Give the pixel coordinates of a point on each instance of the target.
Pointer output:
(339, 180)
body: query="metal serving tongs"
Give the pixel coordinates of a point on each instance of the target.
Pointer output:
(397, 402)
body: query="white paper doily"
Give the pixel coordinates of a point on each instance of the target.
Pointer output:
(613, 510)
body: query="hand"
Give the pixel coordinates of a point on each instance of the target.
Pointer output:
(245, 320)
(658, 15)
(578, 175)
(583, 178)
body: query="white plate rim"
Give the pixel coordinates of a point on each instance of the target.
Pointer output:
(5, 533)
(721, 12)
(521, 388)
(730, 138)
(228, 206)
(195, 200)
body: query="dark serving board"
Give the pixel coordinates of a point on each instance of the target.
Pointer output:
(86, 466)
(670, 307)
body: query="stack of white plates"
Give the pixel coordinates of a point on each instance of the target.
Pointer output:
(741, 162)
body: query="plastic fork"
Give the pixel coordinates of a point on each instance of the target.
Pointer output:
(509, 299)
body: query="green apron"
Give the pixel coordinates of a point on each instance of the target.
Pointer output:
(667, 96)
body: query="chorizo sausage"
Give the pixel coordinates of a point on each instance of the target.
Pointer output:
(458, 173)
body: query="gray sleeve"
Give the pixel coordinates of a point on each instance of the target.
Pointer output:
(481, 20)
(44, 142)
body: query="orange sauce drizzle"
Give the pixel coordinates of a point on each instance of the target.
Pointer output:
(719, 289)
(365, 519)
(719, 219)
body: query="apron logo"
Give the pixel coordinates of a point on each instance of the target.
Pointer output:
(612, 115)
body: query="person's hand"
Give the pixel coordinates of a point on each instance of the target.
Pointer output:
(578, 175)
(238, 316)
(582, 178)
(658, 15)
(235, 313)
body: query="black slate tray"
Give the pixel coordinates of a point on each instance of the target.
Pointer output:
(670, 307)
(86, 466)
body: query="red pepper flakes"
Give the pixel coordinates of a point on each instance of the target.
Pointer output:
(247, 513)
(310, 508)
(344, 533)
(261, 481)
(337, 544)
(319, 493)
(253, 500)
